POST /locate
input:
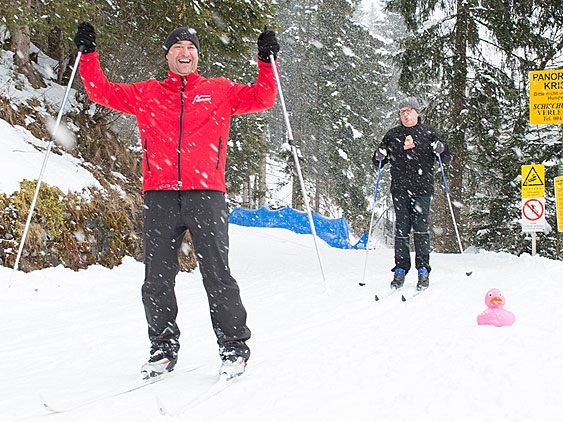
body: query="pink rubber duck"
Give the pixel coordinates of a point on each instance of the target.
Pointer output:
(495, 314)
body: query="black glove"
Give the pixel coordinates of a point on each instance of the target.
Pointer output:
(85, 38)
(438, 147)
(267, 45)
(380, 154)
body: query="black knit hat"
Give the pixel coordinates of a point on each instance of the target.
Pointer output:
(180, 34)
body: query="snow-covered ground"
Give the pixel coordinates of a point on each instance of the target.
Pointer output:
(317, 355)
(23, 156)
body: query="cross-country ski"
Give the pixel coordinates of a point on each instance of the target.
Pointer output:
(67, 406)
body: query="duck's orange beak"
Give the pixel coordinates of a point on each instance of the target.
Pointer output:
(497, 300)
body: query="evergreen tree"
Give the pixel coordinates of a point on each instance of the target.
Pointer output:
(337, 97)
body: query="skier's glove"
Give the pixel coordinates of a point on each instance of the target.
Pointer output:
(380, 154)
(267, 45)
(85, 38)
(438, 147)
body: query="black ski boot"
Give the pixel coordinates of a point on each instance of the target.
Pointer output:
(423, 281)
(398, 278)
(160, 362)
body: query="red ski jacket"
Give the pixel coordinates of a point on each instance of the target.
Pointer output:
(183, 121)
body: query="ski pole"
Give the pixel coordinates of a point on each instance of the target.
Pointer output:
(47, 152)
(468, 273)
(298, 167)
(363, 282)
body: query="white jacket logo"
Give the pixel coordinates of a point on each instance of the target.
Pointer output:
(203, 98)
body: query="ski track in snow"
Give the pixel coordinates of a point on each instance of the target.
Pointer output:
(315, 356)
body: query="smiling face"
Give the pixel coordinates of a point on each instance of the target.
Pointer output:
(183, 58)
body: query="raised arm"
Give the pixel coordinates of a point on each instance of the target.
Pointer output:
(262, 94)
(121, 97)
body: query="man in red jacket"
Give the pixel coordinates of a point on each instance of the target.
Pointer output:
(184, 128)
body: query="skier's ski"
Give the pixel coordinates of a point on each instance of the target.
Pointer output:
(389, 292)
(137, 385)
(216, 388)
(412, 295)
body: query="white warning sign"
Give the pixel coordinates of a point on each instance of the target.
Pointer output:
(533, 214)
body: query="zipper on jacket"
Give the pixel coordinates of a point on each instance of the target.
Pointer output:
(219, 153)
(180, 133)
(147, 154)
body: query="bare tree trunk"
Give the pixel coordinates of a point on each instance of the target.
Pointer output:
(253, 185)
(21, 41)
(20, 46)
(56, 50)
(246, 193)
(296, 196)
(262, 187)
(439, 219)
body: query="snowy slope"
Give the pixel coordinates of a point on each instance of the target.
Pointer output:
(316, 356)
(21, 153)
(23, 156)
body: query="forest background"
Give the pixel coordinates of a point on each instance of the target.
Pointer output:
(344, 65)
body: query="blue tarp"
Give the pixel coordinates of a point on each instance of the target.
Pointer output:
(334, 231)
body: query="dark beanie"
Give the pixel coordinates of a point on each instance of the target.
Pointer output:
(180, 34)
(409, 102)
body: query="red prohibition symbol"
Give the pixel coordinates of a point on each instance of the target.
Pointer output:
(533, 209)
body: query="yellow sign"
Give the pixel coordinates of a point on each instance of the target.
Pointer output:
(558, 183)
(546, 97)
(533, 181)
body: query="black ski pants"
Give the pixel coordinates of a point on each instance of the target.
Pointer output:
(167, 216)
(411, 212)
